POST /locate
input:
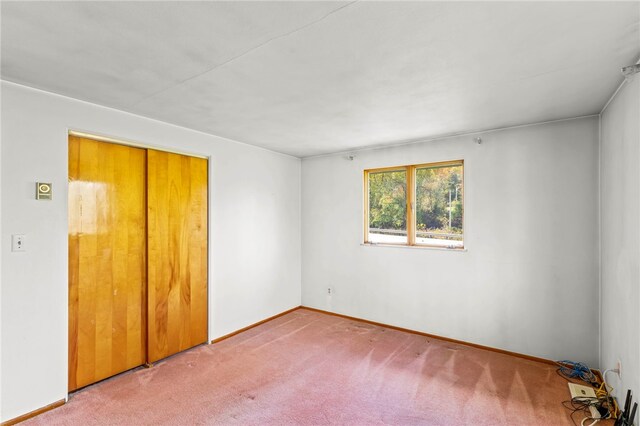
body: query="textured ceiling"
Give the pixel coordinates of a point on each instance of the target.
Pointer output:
(308, 78)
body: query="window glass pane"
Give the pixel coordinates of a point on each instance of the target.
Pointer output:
(388, 207)
(439, 207)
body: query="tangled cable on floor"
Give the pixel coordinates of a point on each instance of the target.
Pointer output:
(603, 402)
(576, 370)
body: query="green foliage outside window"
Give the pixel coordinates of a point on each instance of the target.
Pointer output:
(388, 200)
(439, 206)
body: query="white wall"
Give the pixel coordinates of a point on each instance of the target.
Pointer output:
(1, 244)
(254, 232)
(620, 213)
(529, 280)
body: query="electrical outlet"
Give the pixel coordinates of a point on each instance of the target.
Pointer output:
(330, 291)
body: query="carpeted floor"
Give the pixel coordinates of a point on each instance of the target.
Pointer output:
(310, 368)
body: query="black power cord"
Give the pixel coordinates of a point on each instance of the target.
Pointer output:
(581, 404)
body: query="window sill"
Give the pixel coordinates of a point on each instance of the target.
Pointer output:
(404, 246)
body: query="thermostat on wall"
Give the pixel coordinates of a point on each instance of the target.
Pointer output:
(43, 191)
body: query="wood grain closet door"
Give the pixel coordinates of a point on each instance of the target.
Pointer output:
(177, 250)
(107, 265)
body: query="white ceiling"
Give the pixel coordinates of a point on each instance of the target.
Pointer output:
(306, 78)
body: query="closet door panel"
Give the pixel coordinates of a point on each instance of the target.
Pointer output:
(177, 253)
(107, 260)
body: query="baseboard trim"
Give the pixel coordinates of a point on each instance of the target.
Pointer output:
(33, 413)
(434, 336)
(226, 336)
(393, 327)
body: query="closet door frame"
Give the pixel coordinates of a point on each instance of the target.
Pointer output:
(134, 144)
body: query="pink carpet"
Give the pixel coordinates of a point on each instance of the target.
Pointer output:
(310, 368)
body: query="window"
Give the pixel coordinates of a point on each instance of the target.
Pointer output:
(388, 206)
(418, 205)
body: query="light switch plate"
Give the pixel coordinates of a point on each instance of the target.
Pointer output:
(18, 242)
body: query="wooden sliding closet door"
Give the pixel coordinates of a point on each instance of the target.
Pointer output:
(107, 265)
(177, 253)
